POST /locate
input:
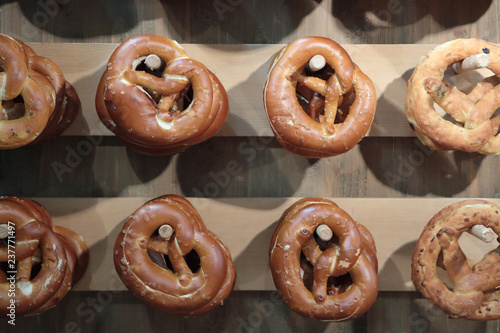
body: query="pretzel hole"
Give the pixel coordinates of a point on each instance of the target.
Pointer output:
(474, 248)
(192, 260)
(13, 109)
(338, 284)
(467, 81)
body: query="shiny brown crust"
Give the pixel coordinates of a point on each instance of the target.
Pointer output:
(143, 109)
(473, 129)
(50, 103)
(306, 284)
(474, 295)
(61, 253)
(309, 133)
(138, 259)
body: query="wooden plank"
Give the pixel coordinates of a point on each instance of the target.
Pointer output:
(246, 225)
(242, 68)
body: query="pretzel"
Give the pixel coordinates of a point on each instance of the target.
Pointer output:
(338, 283)
(319, 114)
(473, 129)
(144, 107)
(60, 255)
(474, 294)
(171, 285)
(37, 103)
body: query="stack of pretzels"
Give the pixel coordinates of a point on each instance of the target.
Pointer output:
(163, 110)
(475, 293)
(49, 259)
(334, 280)
(318, 114)
(472, 127)
(187, 272)
(38, 104)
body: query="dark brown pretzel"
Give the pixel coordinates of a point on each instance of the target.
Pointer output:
(322, 115)
(337, 283)
(49, 103)
(144, 108)
(473, 128)
(174, 288)
(60, 254)
(474, 295)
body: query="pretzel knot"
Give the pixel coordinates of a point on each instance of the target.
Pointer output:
(318, 114)
(160, 111)
(45, 262)
(188, 274)
(474, 127)
(335, 280)
(38, 104)
(475, 292)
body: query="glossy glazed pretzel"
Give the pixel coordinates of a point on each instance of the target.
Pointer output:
(146, 108)
(49, 260)
(156, 269)
(473, 129)
(474, 294)
(38, 104)
(322, 114)
(328, 281)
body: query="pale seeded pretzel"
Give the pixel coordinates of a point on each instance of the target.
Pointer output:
(155, 266)
(58, 254)
(144, 104)
(318, 114)
(475, 293)
(473, 129)
(38, 104)
(336, 280)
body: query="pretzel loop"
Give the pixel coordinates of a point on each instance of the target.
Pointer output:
(177, 288)
(474, 294)
(316, 284)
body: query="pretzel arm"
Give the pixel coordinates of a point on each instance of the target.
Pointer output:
(166, 85)
(311, 251)
(332, 101)
(24, 270)
(448, 97)
(484, 108)
(454, 260)
(482, 88)
(159, 245)
(316, 105)
(177, 259)
(485, 276)
(315, 84)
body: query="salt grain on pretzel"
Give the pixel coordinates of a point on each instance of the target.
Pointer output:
(474, 127)
(333, 279)
(38, 104)
(322, 114)
(177, 288)
(140, 97)
(474, 294)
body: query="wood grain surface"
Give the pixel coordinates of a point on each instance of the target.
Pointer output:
(88, 167)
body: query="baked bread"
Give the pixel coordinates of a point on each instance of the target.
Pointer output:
(161, 108)
(332, 279)
(318, 114)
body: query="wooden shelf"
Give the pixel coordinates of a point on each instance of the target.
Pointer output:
(246, 225)
(243, 69)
